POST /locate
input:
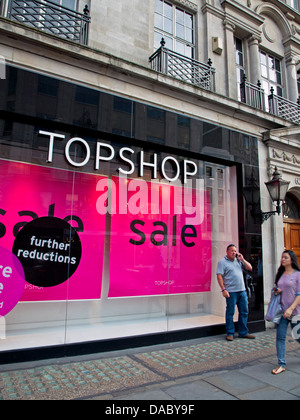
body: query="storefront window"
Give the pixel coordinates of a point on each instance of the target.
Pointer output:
(115, 238)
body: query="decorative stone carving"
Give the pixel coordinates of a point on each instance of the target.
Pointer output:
(285, 157)
(187, 4)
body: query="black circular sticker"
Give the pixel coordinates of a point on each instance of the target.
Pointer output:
(49, 250)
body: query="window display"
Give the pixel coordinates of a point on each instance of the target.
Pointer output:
(105, 233)
(149, 243)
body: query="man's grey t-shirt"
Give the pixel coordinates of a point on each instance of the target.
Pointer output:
(232, 275)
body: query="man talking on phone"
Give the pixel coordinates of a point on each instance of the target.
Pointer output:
(231, 281)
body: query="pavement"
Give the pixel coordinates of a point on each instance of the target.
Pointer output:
(209, 368)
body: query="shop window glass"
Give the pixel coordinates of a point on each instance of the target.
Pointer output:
(86, 107)
(13, 73)
(86, 96)
(149, 245)
(122, 117)
(159, 250)
(156, 122)
(183, 131)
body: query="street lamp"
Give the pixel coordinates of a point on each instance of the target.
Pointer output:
(277, 188)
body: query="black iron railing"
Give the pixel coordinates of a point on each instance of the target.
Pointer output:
(284, 108)
(51, 18)
(180, 67)
(252, 95)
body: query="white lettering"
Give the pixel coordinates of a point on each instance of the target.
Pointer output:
(186, 170)
(170, 409)
(7, 272)
(87, 148)
(51, 142)
(102, 200)
(116, 410)
(164, 172)
(151, 198)
(98, 153)
(150, 165)
(138, 203)
(126, 149)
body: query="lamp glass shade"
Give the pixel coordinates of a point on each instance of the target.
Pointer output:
(277, 189)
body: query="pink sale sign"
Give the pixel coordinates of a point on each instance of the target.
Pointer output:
(12, 281)
(159, 246)
(31, 193)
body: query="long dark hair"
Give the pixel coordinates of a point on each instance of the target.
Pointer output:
(281, 269)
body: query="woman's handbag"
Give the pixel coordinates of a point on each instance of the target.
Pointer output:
(274, 312)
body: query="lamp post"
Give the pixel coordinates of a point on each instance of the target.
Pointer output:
(277, 188)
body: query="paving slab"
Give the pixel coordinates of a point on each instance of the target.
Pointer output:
(295, 391)
(151, 395)
(286, 381)
(236, 383)
(293, 363)
(199, 390)
(267, 394)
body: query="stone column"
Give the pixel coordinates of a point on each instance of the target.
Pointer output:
(254, 61)
(291, 73)
(231, 88)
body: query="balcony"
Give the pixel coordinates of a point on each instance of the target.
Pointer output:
(49, 17)
(183, 68)
(169, 62)
(277, 105)
(252, 95)
(284, 108)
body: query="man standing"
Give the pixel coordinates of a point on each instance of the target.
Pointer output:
(231, 280)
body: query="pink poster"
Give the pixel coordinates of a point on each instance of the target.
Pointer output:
(12, 281)
(160, 240)
(31, 193)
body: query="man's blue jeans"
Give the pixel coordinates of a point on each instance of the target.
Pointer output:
(282, 328)
(240, 300)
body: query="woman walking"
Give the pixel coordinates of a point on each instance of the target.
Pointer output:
(287, 283)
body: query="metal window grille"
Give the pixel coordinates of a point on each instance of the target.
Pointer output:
(51, 18)
(180, 67)
(284, 108)
(252, 95)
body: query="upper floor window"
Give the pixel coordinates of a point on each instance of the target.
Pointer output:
(70, 4)
(239, 63)
(271, 76)
(292, 3)
(176, 26)
(295, 4)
